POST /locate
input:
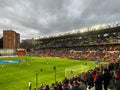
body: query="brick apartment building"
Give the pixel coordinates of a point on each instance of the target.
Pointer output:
(1, 43)
(11, 39)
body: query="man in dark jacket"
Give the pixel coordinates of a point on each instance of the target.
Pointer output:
(106, 79)
(98, 81)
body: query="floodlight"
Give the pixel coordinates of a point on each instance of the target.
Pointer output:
(82, 30)
(73, 31)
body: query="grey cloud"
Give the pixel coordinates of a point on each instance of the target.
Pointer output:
(50, 17)
(101, 10)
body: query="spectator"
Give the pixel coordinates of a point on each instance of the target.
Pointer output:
(98, 81)
(117, 80)
(83, 85)
(75, 86)
(106, 79)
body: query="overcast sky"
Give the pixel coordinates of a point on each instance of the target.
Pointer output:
(50, 17)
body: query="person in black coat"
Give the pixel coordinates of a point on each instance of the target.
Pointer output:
(98, 81)
(90, 80)
(106, 79)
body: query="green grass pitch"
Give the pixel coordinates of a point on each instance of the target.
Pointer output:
(17, 75)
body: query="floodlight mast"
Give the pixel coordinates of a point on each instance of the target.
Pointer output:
(54, 68)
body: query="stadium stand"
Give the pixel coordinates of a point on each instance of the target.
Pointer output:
(94, 43)
(91, 45)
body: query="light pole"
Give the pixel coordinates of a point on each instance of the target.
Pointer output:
(55, 72)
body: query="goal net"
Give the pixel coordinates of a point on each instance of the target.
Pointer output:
(74, 70)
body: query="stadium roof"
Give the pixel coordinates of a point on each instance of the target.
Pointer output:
(97, 29)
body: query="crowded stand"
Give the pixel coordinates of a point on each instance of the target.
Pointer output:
(102, 45)
(102, 53)
(81, 39)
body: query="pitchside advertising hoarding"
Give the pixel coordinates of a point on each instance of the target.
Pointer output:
(11, 52)
(7, 52)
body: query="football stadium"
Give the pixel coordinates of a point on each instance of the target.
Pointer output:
(84, 59)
